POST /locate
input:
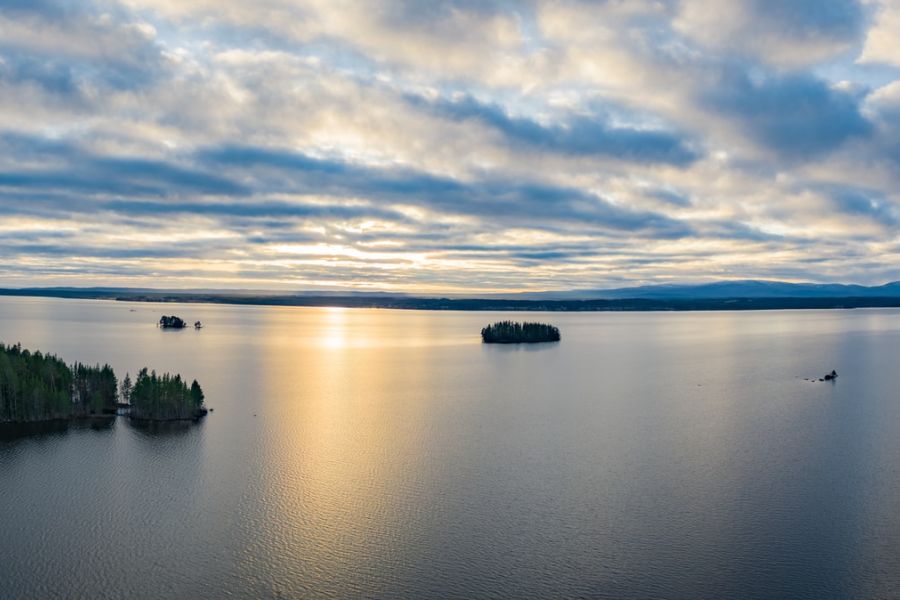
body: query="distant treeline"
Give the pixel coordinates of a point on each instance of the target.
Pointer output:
(41, 387)
(509, 332)
(481, 304)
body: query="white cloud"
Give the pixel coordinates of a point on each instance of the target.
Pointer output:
(882, 43)
(788, 34)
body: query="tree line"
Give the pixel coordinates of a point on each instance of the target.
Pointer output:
(42, 387)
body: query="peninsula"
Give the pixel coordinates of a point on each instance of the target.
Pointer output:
(36, 387)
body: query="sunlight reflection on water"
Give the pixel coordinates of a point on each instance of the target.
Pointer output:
(390, 454)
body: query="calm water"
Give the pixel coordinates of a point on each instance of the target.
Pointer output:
(389, 454)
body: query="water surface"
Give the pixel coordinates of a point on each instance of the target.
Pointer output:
(376, 453)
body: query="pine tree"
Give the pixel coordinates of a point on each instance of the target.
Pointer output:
(125, 389)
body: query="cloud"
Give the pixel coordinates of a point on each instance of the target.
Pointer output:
(583, 135)
(866, 204)
(252, 210)
(881, 42)
(454, 145)
(796, 115)
(670, 197)
(509, 200)
(68, 47)
(884, 102)
(121, 177)
(790, 33)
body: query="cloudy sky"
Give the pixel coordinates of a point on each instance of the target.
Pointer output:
(463, 145)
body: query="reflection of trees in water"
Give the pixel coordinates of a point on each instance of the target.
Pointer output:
(102, 424)
(57, 427)
(160, 428)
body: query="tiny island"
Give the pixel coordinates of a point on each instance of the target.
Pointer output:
(509, 332)
(36, 387)
(172, 322)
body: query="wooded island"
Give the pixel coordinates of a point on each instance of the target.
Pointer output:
(172, 322)
(509, 332)
(162, 398)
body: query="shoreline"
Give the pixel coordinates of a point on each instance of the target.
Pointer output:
(473, 304)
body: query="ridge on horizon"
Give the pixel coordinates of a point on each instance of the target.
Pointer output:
(720, 289)
(726, 288)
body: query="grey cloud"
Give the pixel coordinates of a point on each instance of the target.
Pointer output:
(671, 197)
(76, 49)
(509, 200)
(839, 19)
(113, 252)
(578, 135)
(251, 209)
(796, 115)
(121, 177)
(865, 203)
(262, 171)
(72, 168)
(781, 32)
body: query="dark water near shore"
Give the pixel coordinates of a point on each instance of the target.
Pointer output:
(365, 453)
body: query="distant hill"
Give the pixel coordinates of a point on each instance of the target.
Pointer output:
(92, 292)
(720, 295)
(748, 288)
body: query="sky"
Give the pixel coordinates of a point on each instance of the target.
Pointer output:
(456, 146)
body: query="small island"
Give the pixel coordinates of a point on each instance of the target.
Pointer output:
(41, 388)
(162, 398)
(171, 322)
(509, 332)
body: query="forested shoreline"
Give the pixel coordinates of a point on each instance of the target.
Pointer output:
(36, 387)
(736, 303)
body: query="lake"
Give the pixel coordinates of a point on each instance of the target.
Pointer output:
(360, 453)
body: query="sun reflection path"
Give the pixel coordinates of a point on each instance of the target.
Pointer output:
(334, 334)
